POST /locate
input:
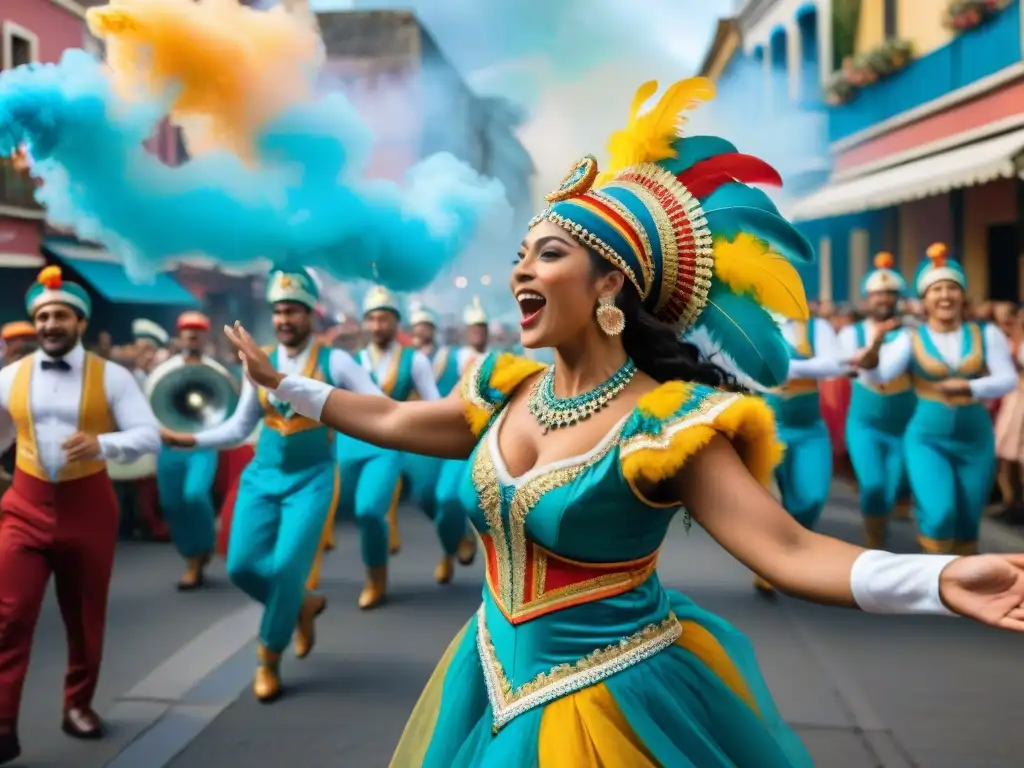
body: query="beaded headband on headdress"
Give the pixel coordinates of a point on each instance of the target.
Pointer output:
(676, 216)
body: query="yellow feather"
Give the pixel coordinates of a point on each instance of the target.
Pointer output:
(648, 138)
(747, 266)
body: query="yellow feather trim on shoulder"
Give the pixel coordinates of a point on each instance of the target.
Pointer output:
(508, 373)
(748, 266)
(747, 422)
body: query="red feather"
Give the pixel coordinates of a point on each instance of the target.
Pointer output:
(706, 176)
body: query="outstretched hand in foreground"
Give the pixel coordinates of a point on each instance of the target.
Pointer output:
(986, 588)
(255, 361)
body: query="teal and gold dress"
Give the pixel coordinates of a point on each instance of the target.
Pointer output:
(578, 654)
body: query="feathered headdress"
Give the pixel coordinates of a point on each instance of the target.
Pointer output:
(475, 314)
(676, 215)
(937, 266)
(884, 276)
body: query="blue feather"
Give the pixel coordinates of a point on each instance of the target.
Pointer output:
(773, 229)
(747, 334)
(736, 194)
(693, 149)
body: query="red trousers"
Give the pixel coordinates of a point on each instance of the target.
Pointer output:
(70, 530)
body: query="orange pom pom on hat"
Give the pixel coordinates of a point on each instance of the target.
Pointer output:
(884, 277)
(50, 287)
(936, 267)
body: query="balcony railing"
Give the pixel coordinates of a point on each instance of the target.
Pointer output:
(969, 57)
(17, 189)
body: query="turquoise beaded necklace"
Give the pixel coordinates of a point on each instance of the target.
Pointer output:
(552, 412)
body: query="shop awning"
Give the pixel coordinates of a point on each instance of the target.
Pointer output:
(966, 166)
(107, 277)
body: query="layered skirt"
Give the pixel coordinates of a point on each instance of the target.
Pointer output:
(701, 702)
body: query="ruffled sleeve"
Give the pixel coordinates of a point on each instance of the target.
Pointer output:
(488, 384)
(677, 419)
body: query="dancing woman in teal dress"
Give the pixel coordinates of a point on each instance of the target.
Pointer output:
(578, 655)
(878, 415)
(950, 439)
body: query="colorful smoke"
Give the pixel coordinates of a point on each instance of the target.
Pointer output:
(295, 196)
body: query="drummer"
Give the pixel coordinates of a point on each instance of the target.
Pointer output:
(185, 478)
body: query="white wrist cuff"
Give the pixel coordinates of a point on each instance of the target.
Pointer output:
(882, 582)
(306, 396)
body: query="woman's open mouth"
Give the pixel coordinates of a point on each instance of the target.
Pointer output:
(531, 304)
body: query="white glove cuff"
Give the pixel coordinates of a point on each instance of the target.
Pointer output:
(306, 396)
(882, 582)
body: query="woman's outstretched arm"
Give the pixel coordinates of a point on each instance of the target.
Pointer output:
(433, 428)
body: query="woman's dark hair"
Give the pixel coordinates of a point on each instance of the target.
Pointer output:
(655, 346)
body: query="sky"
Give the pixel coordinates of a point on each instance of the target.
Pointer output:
(572, 64)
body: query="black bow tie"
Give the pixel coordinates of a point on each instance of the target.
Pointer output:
(56, 365)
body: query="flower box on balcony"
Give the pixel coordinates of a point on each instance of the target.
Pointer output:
(867, 68)
(964, 15)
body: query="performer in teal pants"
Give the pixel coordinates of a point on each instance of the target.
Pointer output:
(878, 415)
(805, 474)
(434, 482)
(950, 440)
(289, 488)
(372, 476)
(185, 478)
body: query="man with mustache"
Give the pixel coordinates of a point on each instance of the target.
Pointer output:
(185, 478)
(288, 490)
(71, 412)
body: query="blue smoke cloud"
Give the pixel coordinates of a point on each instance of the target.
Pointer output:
(303, 203)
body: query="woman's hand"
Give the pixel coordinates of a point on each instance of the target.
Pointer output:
(255, 361)
(987, 588)
(954, 387)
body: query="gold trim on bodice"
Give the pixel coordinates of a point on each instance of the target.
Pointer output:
(515, 574)
(508, 702)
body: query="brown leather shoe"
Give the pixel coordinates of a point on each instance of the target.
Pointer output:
(82, 723)
(376, 588)
(305, 633)
(195, 573)
(267, 682)
(466, 552)
(444, 570)
(10, 749)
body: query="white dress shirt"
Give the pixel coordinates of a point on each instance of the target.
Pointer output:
(55, 401)
(423, 380)
(896, 357)
(826, 362)
(345, 374)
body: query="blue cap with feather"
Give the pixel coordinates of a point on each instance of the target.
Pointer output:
(677, 217)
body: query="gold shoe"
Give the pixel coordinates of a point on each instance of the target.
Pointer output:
(965, 548)
(901, 510)
(193, 578)
(763, 587)
(444, 570)
(466, 552)
(376, 588)
(875, 532)
(267, 683)
(305, 633)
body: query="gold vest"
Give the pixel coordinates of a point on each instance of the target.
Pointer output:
(295, 423)
(94, 418)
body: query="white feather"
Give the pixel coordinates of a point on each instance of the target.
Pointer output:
(712, 352)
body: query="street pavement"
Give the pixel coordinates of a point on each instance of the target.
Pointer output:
(861, 690)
